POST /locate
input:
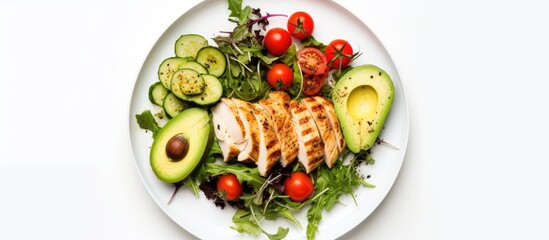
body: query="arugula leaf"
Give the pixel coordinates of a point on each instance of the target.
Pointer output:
(297, 86)
(314, 215)
(332, 184)
(290, 56)
(242, 172)
(244, 48)
(288, 214)
(191, 183)
(243, 223)
(235, 6)
(312, 42)
(280, 234)
(146, 121)
(215, 150)
(247, 222)
(244, 15)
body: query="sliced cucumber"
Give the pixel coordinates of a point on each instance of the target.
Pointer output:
(173, 106)
(189, 44)
(212, 93)
(157, 93)
(195, 66)
(167, 68)
(187, 82)
(212, 59)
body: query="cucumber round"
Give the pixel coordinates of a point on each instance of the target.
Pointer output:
(167, 68)
(195, 66)
(173, 105)
(188, 45)
(157, 93)
(212, 93)
(187, 82)
(212, 59)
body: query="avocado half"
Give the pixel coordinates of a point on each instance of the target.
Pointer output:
(362, 99)
(194, 125)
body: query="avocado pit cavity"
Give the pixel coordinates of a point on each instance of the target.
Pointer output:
(362, 102)
(177, 147)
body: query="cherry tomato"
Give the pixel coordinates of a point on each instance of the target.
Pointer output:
(300, 25)
(339, 53)
(280, 76)
(312, 61)
(298, 186)
(277, 41)
(229, 184)
(312, 84)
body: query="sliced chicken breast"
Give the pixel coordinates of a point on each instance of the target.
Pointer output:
(284, 129)
(332, 116)
(331, 151)
(287, 135)
(311, 147)
(276, 110)
(228, 128)
(249, 152)
(291, 145)
(269, 145)
(281, 97)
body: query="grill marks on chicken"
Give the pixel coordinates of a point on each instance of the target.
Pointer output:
(250, 150)
(269, 145)
(331, 151)
(284, 129)
(277, 129)
(332, 117)
(311, 147)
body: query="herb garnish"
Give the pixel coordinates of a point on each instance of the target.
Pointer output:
(247, 58)
(264, 198)
(146, 120)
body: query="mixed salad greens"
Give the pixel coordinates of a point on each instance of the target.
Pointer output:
(248, 62)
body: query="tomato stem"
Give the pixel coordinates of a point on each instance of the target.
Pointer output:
(299, 28)
(340, 55)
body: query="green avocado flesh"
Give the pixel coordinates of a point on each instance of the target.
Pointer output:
(362, 100)
(194, 124)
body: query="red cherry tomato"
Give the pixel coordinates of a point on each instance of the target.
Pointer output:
(277, 41)
(280, 76)
(312, 61)
(300, 25)
(339, 53)
(298, 186)
(312, 84)
(229, 184)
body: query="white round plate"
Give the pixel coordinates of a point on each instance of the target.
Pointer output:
(199, 216)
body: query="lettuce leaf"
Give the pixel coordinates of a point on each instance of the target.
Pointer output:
(146, 121)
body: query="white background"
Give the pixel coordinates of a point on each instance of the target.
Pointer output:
(474, 74)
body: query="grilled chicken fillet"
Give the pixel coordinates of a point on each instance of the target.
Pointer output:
(332, 116)
(278, 129)
(269, 145)
(228, 127)
(311, 147)
(284, 128)
(324, 127)
(250, 150)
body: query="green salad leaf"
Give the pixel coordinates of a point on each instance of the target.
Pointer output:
(146, 120)
(333, 183)
(312, 42)
(247, 59)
